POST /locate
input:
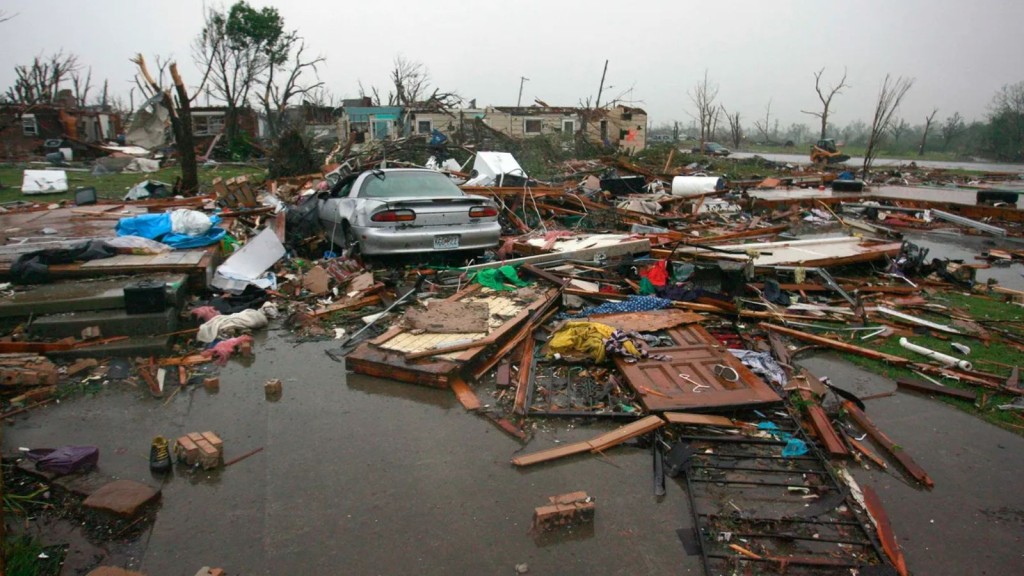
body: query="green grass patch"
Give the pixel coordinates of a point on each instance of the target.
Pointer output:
(113, 186)
(995, 357)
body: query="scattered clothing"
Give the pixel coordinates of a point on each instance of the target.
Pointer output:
(34, 267)
(632, 304)
(762, 364)
(499, 278)
(221, 325)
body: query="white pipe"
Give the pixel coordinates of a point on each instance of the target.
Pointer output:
(944, 358)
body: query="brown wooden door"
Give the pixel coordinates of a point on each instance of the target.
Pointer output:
(660, 387)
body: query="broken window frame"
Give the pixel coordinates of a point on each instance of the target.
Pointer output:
(29, 125)
(420, 123)
(526, 127)
(571, 124)
(204, 123)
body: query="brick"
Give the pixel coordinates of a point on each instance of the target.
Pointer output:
(564, 510)
(185, 450)
(209, 457)
(211, 384)
(273, 389)
(195, 436)
(245, 348)
(214, 441)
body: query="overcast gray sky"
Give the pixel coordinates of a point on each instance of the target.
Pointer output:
(959, 52)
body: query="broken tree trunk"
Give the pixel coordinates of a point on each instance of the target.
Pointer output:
(183, 136)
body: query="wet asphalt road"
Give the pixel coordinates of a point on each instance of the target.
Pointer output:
(366, 476)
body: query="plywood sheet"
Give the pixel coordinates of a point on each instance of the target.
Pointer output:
(650, 321)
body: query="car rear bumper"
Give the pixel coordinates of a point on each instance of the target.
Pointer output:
(382, 241)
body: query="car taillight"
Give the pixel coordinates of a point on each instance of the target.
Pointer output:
(394, 216)
(482, 211)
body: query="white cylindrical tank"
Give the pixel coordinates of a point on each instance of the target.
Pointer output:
(695, 185)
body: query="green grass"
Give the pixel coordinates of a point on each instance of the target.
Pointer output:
(112, 186)
(990, 358)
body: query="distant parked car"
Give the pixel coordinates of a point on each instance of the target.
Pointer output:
(406, 210)
(712, 149)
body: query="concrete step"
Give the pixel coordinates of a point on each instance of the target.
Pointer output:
(110, 322)
(137, 346)
(86, 295)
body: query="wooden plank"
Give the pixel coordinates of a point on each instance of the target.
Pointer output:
(596, 444)
(885, 533)
(650, 321)
(524, 380)
(929, 388)
(894, 450)
(842, 346)
(822, 426)
(687, 419)
(465, 394)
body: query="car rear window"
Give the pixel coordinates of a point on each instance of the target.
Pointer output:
(407, 185)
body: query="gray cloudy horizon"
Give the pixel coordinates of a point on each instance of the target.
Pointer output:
(959, 54)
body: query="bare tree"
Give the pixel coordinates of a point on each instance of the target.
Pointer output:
(952, 129)
(410, 80)
(765, 128)
(924, 133)
(898, 128)
(277, 93)
(735, 128)
(81, 87)
(826, 96)
(181, 120)
(4, 16)
(39, 82)
(889, 98)
(236, 48)
(703, 97)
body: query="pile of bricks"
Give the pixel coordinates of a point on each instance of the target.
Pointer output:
(204, 449)
(564, 510)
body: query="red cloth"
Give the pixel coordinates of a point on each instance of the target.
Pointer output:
(657, 273)
(204, 313)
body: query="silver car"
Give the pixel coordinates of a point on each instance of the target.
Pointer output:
(406, 210)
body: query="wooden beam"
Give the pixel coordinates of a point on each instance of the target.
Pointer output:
(822, 426)
(888, 538)
(688, 419)
(835, 344)
(929, 388)
(465, 394)
(894, 450)
(594, 445)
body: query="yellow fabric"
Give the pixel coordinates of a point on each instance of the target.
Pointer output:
(586, 338)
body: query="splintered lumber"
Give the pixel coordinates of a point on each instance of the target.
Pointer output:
(929, 388)
(822, 426)
(836, 345)
(348, 304)
(465, 394)
(888, 538)
(594, 445)
(687, 419)
(860, 447)
(523, 381)
(894, 450)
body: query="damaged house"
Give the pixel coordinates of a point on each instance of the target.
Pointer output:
(39, 129)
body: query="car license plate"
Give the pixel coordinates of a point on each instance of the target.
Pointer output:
(446, 242)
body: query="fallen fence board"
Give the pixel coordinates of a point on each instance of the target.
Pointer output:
(687, 419)
(894, 450)
(842, 346)
(465, 394)
(929, 388)
(597, 444)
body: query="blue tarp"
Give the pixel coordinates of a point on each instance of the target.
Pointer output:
(158, 227)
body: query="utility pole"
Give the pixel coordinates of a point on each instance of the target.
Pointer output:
(522, 80)
(597, 103)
